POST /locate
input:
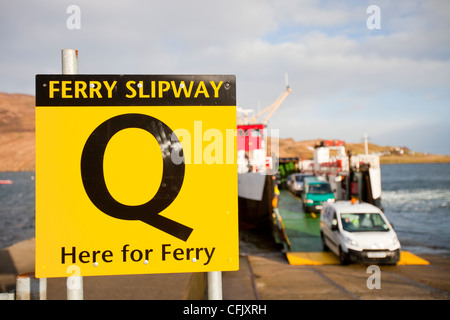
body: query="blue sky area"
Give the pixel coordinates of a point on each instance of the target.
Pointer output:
(347, 80)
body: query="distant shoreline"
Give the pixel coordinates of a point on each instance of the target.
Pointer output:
(441, 159)
(408, 159)
(385, 163)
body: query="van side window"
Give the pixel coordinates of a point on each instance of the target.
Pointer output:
(330, 214)
(325, 213)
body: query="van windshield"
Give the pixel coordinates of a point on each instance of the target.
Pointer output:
(361, 222)
(320, 188)
(300, 178)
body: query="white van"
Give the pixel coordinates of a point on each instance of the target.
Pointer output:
(358, 232)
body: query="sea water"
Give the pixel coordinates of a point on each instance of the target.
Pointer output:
(416, 199)
(17, 204)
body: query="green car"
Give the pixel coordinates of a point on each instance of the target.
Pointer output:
(315, 193)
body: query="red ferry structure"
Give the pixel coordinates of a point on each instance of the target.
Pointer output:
(256, 167)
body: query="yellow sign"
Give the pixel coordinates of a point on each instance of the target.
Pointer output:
(135, 174)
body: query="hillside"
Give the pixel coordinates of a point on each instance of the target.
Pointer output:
(16, 132)
(17, 150)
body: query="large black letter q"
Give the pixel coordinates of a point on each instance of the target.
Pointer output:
(172, 178)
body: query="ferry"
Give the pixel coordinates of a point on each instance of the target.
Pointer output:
(260, 170)
(350, 176)
(255, 172)
(257, 165)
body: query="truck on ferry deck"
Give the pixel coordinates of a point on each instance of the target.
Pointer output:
(315, 193)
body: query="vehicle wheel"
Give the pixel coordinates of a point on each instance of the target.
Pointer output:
(324, 246)
(343, 257)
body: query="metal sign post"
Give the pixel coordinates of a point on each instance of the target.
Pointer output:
(214, 285)
(74, 282)
(69, 61)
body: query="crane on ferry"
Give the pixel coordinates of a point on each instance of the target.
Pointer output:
(267, 112)
(251, 145)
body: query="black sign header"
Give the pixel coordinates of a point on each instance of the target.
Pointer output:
(135, 90)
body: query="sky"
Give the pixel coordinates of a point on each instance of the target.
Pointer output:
(352, 71)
